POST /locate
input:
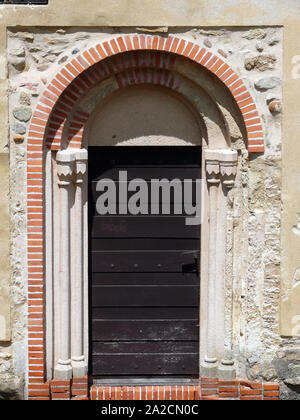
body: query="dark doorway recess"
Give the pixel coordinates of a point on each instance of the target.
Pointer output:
(144, 273)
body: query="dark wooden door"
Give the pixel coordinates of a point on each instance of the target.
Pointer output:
(144, 273)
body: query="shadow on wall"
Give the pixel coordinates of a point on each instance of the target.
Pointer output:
(143, 116)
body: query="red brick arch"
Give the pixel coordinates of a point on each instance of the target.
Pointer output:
(61, 89)
(79, 65)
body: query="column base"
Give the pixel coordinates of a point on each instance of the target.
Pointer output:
(227, 371)
(63, 370)
(209, 368)
(79, 367)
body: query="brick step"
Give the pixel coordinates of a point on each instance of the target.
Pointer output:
(208, 389)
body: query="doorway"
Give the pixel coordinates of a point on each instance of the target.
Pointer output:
(144, 271)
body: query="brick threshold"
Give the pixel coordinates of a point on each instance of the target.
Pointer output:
(207, 389)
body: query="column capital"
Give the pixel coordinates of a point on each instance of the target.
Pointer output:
(221, 164)
(228, 167)
(65, 167)
(81, 157)
(212, 166)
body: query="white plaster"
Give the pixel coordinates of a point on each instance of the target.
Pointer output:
(2, 328)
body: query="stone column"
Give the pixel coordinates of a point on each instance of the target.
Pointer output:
(228, 170)
(65, 166)
(209, 367)
(221, 165)
(78, 359)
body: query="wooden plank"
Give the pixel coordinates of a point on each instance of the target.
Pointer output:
(146, 330)
(164, 210)
(144, 261)
(142, 227)
(145, 296)
(146, 364)
(137, 279)
(128, 313)
(145, 319)
(121, 244)
(108, 347)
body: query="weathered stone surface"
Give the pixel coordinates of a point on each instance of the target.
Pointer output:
(55, 41)
(274, 41)
(261, 62)
(4, 315)
(207, 43)
(35, 58)
(212, 32)
(54, 51)
(260, 46)
(63, 59)
(24, 99)
(291, 354)
(293, 381)
(223, 53)
(162, 29)
(18, 139)
(267, 83)
(35, 49)
(11, 388)
(19, 63)
(275, 107)
(19, 52)
(255, 34)
(80, 37)
(24, 36)
(290, 390)
(22, 113)
(269, 373)
(19, 128)
(43, 67)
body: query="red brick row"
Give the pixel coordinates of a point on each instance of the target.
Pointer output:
(208, 389)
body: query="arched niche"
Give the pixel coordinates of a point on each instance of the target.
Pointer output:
(143, 115)
(71, 123)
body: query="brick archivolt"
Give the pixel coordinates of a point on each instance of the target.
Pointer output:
(60, 115)
(164, 54)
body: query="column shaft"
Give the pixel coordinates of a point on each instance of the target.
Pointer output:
(63, 369)
(78, 359)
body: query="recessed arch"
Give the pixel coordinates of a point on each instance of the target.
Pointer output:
(143, 115)
(80, 65)
(195, 97)
(77, 77)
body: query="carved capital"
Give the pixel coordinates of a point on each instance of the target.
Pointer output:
(81, 165)
(228, 167)
(212, 166)
(65, 167)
